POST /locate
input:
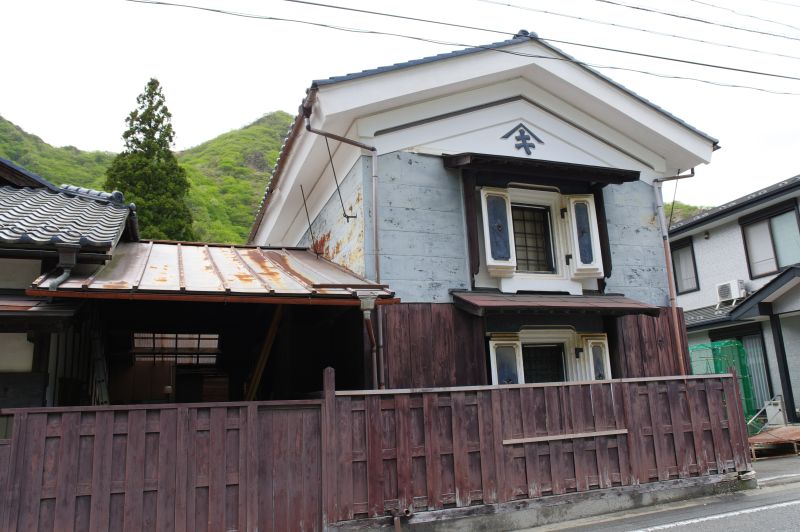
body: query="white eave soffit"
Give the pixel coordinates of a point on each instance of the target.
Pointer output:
(480, 74)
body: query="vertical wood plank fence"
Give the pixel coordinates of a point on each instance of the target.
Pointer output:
(417, 450)
(299, 465)
(231, 466)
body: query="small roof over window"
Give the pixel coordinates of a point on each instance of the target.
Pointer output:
(482, 303)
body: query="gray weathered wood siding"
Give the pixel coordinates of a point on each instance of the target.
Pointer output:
(422, 230)
(337, 238)
(637, 252)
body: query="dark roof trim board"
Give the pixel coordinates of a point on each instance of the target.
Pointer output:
(754, 199)
(751, 307)
(518, 169)
(19, 176)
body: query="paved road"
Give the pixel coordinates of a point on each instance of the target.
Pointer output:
(774, 508)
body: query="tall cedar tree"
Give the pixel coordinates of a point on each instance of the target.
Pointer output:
(148, 173)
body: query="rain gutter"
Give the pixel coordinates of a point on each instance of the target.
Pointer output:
(673, 301)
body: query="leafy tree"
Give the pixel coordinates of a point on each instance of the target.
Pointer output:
(148, 173)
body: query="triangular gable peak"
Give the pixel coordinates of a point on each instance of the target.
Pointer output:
(467, 101)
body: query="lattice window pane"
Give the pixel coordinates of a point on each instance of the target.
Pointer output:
(532, 238)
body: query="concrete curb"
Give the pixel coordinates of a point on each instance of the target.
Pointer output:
(557, 508)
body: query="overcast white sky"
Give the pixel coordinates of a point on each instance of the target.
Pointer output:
(72, 69)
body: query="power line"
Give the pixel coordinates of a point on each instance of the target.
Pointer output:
(781, 3)
(634, 28)
(615, 50)
(746, 15)
(700, 20)
(684, 61)
(454, 44)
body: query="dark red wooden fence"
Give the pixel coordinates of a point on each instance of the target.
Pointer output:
(645, 346)
(297, 465)
(427, 450)
(232, 466)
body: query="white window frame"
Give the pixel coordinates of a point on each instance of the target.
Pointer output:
(578, 365)
(498, 268)
(494, 344)
(589, 342)
(568, 274)
(579, 269)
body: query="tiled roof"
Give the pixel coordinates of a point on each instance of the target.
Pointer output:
(707, 315)
(42, 217)
(170, 270)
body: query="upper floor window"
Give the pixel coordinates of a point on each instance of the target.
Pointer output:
(772, 239)
(684, 266)
(533, 238)
(538, 235)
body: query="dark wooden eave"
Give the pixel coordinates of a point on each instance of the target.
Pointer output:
(500, 170)
(482, 303)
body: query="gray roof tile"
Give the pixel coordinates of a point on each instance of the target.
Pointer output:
(707, 315)
(42, 217)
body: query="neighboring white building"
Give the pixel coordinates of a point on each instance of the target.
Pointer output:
(737, 271)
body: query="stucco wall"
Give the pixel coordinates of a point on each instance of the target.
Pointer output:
(719, 259)
(337, 238)
(421, 227)
(16, 352)
(18, 273)
(423, 251)
(637, 251)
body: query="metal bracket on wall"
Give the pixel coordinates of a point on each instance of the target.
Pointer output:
(336, 180)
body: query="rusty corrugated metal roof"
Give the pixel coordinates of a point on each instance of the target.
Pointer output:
(479, 303)
(193, 270)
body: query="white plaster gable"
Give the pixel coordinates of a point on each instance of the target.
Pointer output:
(493, 130)
(463, 104)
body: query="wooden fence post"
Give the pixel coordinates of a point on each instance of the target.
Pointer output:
(328, 450)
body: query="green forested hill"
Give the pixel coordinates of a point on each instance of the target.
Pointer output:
(227, 174)
(60, 165)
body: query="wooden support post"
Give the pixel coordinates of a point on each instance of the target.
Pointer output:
(329, 454)
(263, 356)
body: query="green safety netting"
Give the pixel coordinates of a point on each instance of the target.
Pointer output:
(719, 357)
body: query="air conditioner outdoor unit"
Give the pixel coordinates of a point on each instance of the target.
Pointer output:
(732, 290)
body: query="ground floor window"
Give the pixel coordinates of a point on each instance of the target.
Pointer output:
(166, 367)
(535, 356)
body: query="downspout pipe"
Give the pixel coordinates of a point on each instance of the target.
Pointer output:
(67, 258)
(673, 299)
(306, 111)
